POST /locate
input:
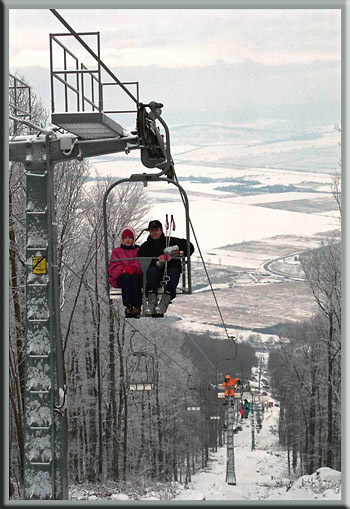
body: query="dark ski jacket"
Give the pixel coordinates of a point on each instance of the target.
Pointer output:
(156, 247)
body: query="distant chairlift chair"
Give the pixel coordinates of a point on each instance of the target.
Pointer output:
(140, 371)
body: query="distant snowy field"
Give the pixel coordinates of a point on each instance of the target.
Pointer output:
(249, 223)
(223, 217)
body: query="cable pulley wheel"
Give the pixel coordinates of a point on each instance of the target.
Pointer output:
(153, 152)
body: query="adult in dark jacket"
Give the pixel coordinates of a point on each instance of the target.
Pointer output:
(156, 246)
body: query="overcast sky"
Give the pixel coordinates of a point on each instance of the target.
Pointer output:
(218, 63)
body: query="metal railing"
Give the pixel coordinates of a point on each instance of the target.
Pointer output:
(85, 84)
(20, 102)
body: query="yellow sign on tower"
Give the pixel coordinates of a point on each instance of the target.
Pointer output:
(39, 265)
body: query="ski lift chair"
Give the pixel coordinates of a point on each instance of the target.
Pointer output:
(219, 376)
(154, 154)
(184, 286)
(193, 396)
(140, 371)
(192, 401)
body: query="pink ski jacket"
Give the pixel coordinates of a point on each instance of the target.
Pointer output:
(115, 268)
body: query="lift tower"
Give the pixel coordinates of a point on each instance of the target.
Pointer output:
(89, 132)
(230, 415)
(230, 463)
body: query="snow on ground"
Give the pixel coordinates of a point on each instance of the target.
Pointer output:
(217, 222)
(221, 217)
(261, 474)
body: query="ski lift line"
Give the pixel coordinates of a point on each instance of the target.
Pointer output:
(207, 274)
(58, 16)
(210, 284)
(29, 124)
(157, 347)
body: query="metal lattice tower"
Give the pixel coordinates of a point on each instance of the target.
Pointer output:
(46, 466)
(230, 464)
(45, 417)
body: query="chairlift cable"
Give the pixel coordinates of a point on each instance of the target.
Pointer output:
(188, 334)
(207, 274)
(127, 321)
(159, 349)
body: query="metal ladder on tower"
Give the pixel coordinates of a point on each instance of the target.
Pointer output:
(45, 418)
(230, 463)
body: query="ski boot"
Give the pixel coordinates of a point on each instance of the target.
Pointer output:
(129, 311)
(163, 303)
(136, 311)
(151, 304)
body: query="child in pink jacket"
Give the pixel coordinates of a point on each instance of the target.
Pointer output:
(127, 274)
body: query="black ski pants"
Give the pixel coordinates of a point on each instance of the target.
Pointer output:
(154, 277)
(131, 289)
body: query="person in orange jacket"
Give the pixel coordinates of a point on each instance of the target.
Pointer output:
(228, 385)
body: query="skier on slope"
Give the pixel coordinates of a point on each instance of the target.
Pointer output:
(228, 384)
(246, 408)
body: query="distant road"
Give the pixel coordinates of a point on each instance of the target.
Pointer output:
(266, 266)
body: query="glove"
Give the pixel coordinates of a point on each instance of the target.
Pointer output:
(239, 382)
(161, 260)
(172, 251)
(129, 269)
(164, 257)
